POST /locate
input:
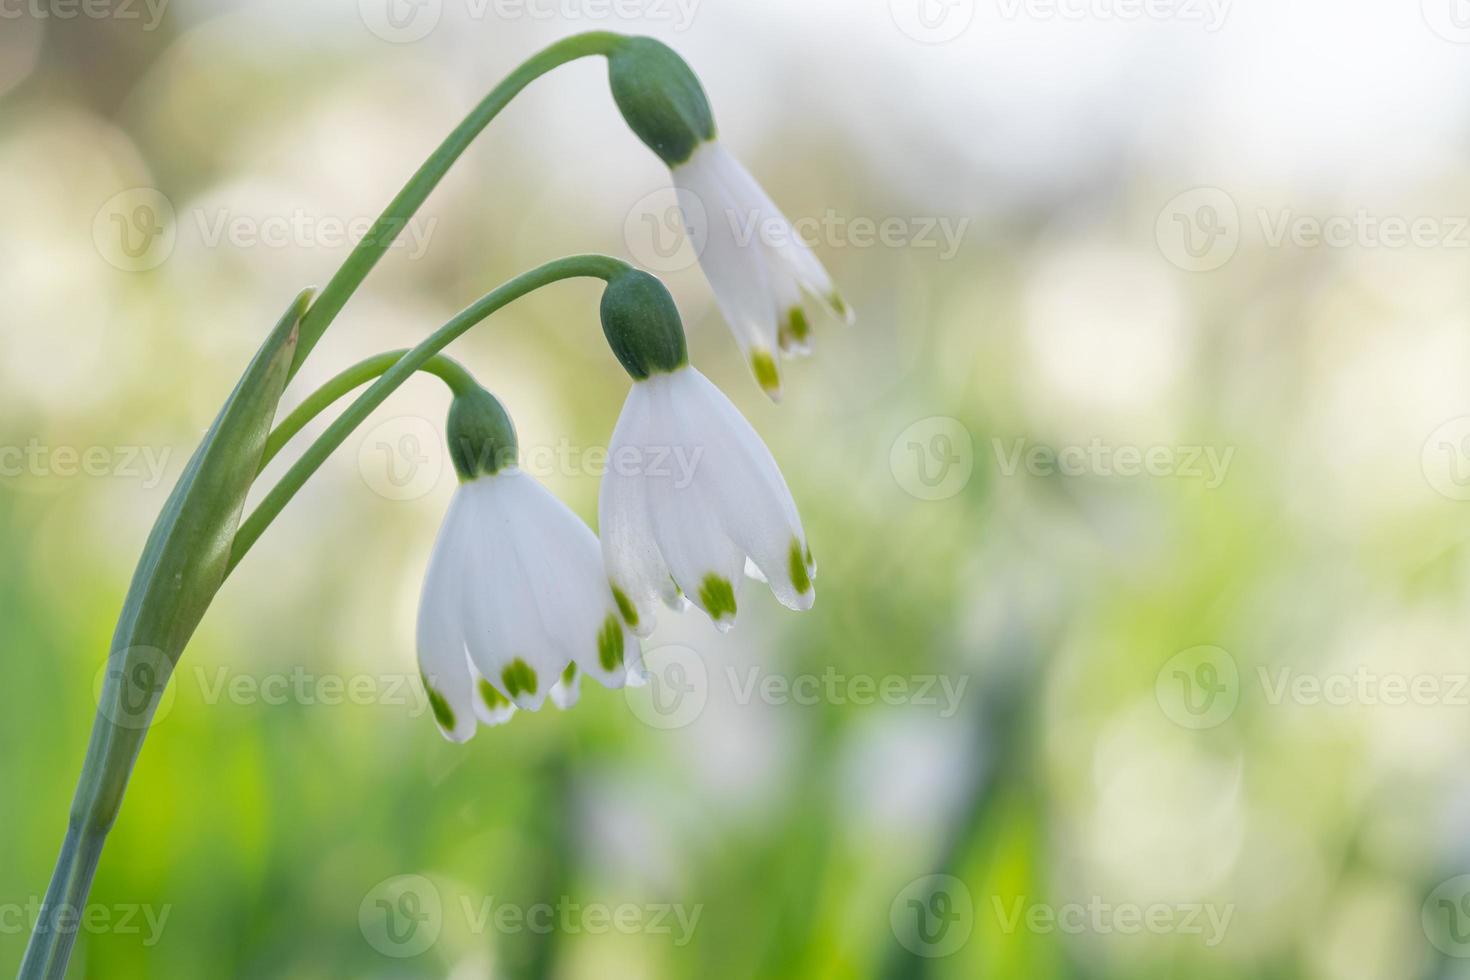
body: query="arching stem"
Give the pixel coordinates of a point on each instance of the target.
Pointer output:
(403, 207)
(572, 267)
(446, 369)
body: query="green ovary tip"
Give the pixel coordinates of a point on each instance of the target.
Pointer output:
(800, 579)
(717, 596)
(493, 699)
(610, 645)
(519, 678)
(443, 713)
(626, 607)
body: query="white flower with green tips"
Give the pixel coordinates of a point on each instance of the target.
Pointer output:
(758, 267)
(761, 272)
(673, 534)
(515, 606)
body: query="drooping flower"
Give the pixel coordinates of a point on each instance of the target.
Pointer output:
(758, 267)
(515, 606)
(692, 494)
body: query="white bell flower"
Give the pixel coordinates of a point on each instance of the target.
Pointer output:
(757, 265)
(691, 492)
(516, 605)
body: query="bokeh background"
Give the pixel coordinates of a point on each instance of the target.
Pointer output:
(1140, 488)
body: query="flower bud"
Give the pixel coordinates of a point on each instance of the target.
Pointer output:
(642, 325)
(482, 439)
(661, 98)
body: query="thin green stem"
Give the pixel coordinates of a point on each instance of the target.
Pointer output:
(416, 191)
(572, 267)
(446, 369)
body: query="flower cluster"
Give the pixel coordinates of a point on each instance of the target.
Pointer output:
(521, 600)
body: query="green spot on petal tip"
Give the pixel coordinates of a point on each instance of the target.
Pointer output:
(717, 596)
(800, 326)
(443, 713)
(519, 678)
(764, 366)
(840, 307)
(493, 699)
(569, 675)
(610, 645)
(625, 607)
(800, 579)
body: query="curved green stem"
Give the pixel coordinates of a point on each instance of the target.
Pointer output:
(446, 369)
(416, 191)
(576, 266)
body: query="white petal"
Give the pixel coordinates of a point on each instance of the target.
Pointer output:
(789, 268)
(563, 564)
(741, 480)
(506, 639)
(440, 632)
(630, 553)
(565, 692)
(491, 705)
(734, 261)
(795, 267)
(704, 561)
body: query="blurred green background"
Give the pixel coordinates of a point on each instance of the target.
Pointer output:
(1139, 492)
